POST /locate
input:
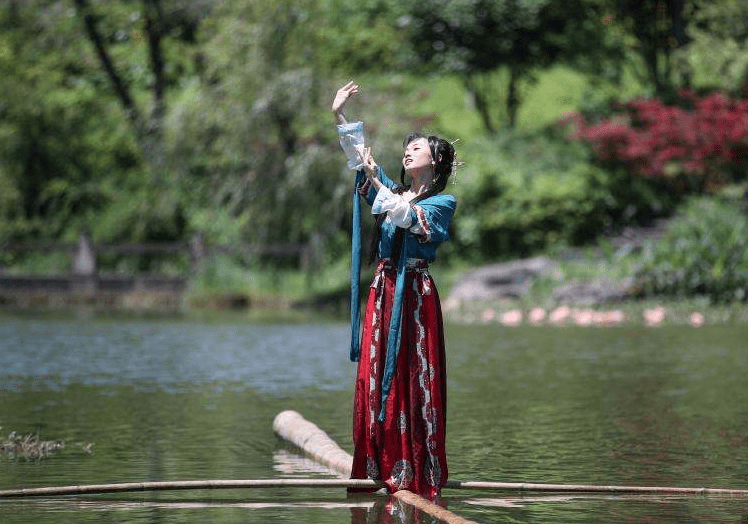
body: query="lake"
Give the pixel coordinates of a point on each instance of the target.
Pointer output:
(194, 398)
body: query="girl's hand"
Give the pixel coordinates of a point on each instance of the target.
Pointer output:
(341, 97)
(371, 168)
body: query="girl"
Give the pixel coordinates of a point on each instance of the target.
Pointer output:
(400, 400)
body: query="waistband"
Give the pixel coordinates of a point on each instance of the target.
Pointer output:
(410, 264)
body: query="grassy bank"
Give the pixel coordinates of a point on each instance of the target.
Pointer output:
(294, 295)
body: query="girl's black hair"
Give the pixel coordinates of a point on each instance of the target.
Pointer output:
(443, 155)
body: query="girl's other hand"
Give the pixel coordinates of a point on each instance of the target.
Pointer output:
(342, 96)
(370, 167)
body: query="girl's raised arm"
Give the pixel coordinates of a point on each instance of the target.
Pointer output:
(341, 97)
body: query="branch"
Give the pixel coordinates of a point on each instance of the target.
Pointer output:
(119, 86)
(154, 30)
(479, 99)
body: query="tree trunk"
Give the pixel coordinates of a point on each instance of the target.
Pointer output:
(154, 30)
(120, 88)
(512, 99)
(480, 100)
(147, 127)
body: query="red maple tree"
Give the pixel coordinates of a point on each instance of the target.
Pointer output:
(699, 144)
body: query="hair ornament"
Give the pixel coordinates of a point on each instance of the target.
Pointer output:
(455, 163)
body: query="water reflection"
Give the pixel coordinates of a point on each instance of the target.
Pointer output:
(289, 464)
(391, 510)
(374, 509)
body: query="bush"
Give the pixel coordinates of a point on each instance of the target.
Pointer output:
(696, 144)
(704, 252)
(521, 194)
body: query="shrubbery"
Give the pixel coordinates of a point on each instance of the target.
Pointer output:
(703, 252)
(522, 194)
(695, 145)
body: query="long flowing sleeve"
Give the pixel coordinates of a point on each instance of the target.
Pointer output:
(364, 188)
(351, 136)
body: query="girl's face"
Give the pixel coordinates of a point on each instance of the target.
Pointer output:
(417, 156)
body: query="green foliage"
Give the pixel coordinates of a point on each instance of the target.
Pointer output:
(252, 138)
(717, 54)
(655, 28)
(233, 137)
(476, 38)
(55, 140)
(521, 194)
(362, 36)
(74, 158)
(704, 252)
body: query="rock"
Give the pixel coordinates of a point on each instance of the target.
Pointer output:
(595, 292)
(506, 280)
(511, 280)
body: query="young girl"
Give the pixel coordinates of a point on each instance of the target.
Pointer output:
(400, 401)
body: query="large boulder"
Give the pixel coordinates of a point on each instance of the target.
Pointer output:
(512, 280)
(594, 292)
(506, 280)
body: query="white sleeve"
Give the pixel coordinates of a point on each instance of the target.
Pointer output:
(351, 138)
(397, 208)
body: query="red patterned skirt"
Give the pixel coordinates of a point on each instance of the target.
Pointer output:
(407, 449)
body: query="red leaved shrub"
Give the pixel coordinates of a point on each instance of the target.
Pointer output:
(698, 144)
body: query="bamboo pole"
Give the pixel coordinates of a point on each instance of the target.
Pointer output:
(291, 426)
(125, 487)
(129, 487)
(588, 488)
(307, 436)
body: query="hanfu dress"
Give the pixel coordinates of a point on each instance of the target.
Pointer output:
(400, 400)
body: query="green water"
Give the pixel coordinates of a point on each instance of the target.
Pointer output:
(191, 399)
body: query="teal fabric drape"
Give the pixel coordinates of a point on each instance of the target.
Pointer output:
(393, 337)
(356, 269)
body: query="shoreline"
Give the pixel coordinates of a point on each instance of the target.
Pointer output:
(505, 313)
(647, 313)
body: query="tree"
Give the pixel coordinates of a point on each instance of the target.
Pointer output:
(474, 38)
(246, 134)
(137, 33)
(659, 27)
(57, 141)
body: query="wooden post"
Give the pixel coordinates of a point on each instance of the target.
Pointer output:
(84, 263)
(84, 266)
(197, 253)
